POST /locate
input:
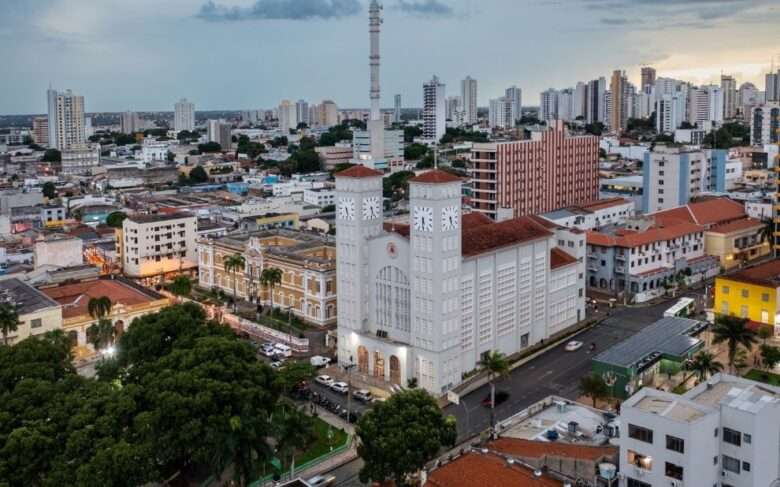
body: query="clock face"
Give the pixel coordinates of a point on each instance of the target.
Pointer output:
(371, 208)
(346, 208)
(423, 219)
(450, 218)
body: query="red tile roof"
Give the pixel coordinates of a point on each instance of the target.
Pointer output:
(635, 239)
(707, 212)
(74, 298)
(484, 238)
(476, 219)
(486, 470)
(518, 447)
(358, 172)
(435, 176)
(605, 203)
(559, 258)
(767, 274)
(737, 225)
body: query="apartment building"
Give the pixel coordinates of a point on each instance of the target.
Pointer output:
(157, 245)
(319, 196)
(307, 262)
(427, 298)
(724, 432)
(671, 176)
(593, 215)
(752, 293)
(765, 124)
(552, 170)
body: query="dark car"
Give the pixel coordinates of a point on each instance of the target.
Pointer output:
(501, 396)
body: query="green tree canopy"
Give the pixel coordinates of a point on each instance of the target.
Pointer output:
(733, 331)
(209, 147)
(181, 286)
(49, 190)
(593, 386)
(115, 219)
(52, 155)
(199, 175)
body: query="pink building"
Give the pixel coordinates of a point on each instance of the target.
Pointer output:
(551, 170)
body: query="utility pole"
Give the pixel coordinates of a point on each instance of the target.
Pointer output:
(349, 368)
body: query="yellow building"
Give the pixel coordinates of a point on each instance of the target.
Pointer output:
(270, 221)
(736, 243)
(307, 262)
(752, 293)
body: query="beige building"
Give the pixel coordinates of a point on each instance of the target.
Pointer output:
(40, 131)
(307, 262)
(737, 243)
(37, 312)
(154, 246)
(58, 251)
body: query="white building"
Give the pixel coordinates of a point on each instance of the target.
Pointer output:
(515, 96)
(725, 431)
(548, 105)
(468, 94)
(153, 150)
(155, 245)
(288, 118)
(393, 149)
(670, 112)
(66, 119)
(58, 252)
(221, 133)
(591, 216)
(672, 176)
(184, 116)
(501, 113)
(397, 109)
(319, 197)
(434, 111)
(765, 124)
(37, 312)
(302, 112)
(565, 104)
(427, 299)
(80, 160)
(129, 122)
(705, 104)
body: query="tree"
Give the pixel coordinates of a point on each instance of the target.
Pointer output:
(593, 386)
(703, 365)
(49, 190)
(399, 436)
(770, 356)
(595, 128)
(496, 365)
(9, 320)
(415, 151)
(199, 175)
(52, 155)
(734, 332)
(411, 132)
(101, 334)
(764, 333)
(209, 147)
(269, 278)
(232, 264)
(115, 219)
(99, 307)
(181, 286)
(295, 431)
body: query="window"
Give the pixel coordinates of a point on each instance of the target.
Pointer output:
(674, 471)
(675, 444)
(636, 483)
(36, 323)
(732, 436)
(716, 432)
(765, 297)
(745, 293)
(640, 433)
(743, 311)
(725, 289)
(746, 466)
(524, 340)
(747, 438)
(715, 460)
(640, 461)
(730, 464)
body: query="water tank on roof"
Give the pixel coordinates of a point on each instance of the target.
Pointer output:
(607, 470)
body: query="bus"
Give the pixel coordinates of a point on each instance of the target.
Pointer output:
(683, 308)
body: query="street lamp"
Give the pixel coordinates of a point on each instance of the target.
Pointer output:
(348, 368)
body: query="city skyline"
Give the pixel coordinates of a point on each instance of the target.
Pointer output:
(113, 54)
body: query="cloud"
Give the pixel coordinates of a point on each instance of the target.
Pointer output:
(424, 7)
(280, 10)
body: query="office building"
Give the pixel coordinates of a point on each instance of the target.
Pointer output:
(184, 116)
(548, 105)
(515, 97)
(328, 114)
(670, 112)
(66, 119)
(501, 113)
(468, 96)
(434, 110)
(397, 109)
(157, 245)
(526, 177)
(579, 102)
(772, 86)
(595, 109)
(129, 123)
(302, 112)
(288, 117)
(725, 431)
(705, 105)
(671, 177)
(40, 131)
(426, 299)
(565, 104)
(728, 86)
(765, 124)
(619, 113)
(648, 77)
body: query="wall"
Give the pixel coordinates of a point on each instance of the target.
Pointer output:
(754, 301)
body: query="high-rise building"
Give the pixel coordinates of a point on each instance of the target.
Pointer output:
(595, 107)
(221, 133)
(468, 95)
(619, 88)
(434, 110)
(705, 105)
(66, 119)
(40, 131)
(772, 88)
(328, 114)
(397, 109)
(671, 177)
(184, 116)
(515, 96)
(565, 104)
(129, 122)
(288, 116)
(454, 105)
(580, 100)
(669, 113)
(501, 113)
(765, 124)
(648, 77)
(559, 171)
(302, 112)
(748, 96)
(548, 105)
(728, 86)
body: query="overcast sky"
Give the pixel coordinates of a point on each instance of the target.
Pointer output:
(241, 54)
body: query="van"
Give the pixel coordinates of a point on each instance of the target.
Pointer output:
(283, 350)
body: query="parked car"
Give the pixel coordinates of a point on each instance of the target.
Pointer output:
(268, 350)
(321, 480)
(319, 361)
(501, 396)
(325, 380)
(340, 387)
(278, 364)
(363, 395)
(573, 346)
(283, 350)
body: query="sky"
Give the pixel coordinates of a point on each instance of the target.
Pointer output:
(250, 54)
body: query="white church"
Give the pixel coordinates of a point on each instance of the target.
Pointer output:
(428, 299)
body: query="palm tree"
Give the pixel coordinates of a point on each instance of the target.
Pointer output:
(296, 432)
(232, 264)
(99, 307)
(270, 278)
(101, 334)
(734, 332)
(497, 366)
(767, 231)
(703, 365)
(9, 320)
(593, 386)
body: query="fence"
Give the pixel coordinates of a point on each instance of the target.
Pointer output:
(304, 466)
(300, 345)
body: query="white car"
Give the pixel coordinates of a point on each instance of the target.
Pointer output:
(319, 361)
(325, 380)
(321, 481)
(340, 387)
(573, 346)
(363, 395)
(283, 350)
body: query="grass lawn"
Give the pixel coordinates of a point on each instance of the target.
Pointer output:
(765, 377)
(321, 445)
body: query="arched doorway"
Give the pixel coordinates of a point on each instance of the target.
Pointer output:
(362, 354)
(73, 337)
(395, 370)
(379, 365)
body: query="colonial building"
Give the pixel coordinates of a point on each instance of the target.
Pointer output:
(428, 299)
(307, 262)
(37, 312)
